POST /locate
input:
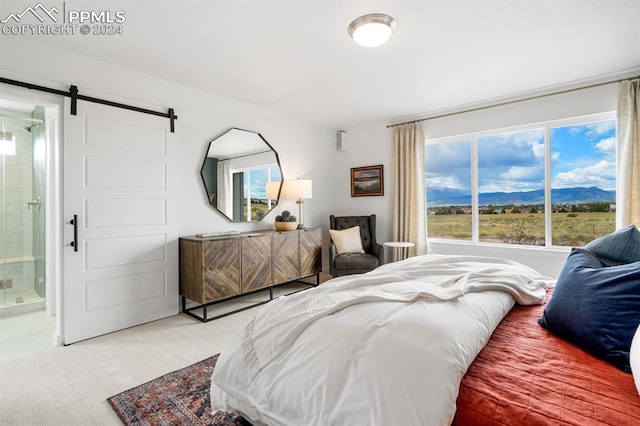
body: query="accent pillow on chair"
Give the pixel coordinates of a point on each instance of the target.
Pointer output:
(617, 248)
(596, 307)
(353, 248)
(347, 240)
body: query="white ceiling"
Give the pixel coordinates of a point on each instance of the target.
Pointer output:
(295, 56)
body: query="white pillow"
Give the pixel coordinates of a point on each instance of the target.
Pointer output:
(634, 358)
(347, 240)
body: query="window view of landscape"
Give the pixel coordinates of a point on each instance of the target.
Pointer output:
(255, 193)
(583, 182)
(448, 167)
(511, 185)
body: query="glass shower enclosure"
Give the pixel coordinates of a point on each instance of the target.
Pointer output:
(22, 210)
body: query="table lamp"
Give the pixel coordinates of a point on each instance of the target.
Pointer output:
(298, 189)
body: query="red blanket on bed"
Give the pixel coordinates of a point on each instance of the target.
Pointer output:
(527, 376)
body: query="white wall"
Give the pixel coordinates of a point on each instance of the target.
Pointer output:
(305, 150)
(371, 144)
(573, 104)
(367, 145)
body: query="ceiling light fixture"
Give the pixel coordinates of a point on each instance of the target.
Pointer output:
(372, 30)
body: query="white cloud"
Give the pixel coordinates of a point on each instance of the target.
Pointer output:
(601, 174)
(510, 186)
(450, 182)
(445, 156)
(606, 146)
(538, 149)
(517, 173)
(512, 179)
(600, 127)
(593, 130)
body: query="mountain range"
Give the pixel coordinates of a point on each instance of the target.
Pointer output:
(455, 197)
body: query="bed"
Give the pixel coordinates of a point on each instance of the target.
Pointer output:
(528, 376)
(392, 347)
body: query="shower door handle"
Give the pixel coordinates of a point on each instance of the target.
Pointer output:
(74, 222)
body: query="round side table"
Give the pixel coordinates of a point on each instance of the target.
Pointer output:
(398, 245)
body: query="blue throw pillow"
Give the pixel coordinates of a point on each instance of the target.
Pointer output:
(617, 248)
(596, 307)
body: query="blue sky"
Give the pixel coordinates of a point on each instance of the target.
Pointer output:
(586, 155)
(259, 179)
(581, 155)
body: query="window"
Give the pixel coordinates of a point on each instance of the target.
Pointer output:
(448, 168)
(583, 182)
(548, 184)
(255, 204)
(511, 187)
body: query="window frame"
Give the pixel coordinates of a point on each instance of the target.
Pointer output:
(473, 137)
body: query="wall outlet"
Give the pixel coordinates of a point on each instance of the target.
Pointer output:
(8, 283)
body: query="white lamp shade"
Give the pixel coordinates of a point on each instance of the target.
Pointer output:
(297, 188)
(7, 143)
(272, 190)
(372, 30)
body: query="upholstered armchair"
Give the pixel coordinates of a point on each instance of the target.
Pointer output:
(354, 262)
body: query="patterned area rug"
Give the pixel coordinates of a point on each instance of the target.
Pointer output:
(181, 397)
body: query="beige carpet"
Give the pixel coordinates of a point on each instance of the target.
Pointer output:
(69, 385)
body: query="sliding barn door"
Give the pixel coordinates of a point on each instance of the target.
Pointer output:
(121, 270)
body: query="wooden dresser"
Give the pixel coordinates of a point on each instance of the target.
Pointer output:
(219, 268)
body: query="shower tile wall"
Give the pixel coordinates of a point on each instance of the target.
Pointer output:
(16, 238)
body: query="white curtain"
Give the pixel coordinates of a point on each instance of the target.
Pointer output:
(225, 190)
(408, 188)
(628, 208)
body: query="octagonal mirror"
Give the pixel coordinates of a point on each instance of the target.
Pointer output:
(242, 175)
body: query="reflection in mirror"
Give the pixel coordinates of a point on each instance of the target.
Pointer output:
(236, 171)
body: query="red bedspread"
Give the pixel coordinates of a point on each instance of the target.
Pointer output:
(527, 376)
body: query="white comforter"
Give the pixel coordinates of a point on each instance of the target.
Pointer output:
(387, 347)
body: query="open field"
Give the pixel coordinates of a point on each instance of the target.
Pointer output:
(568, 229)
